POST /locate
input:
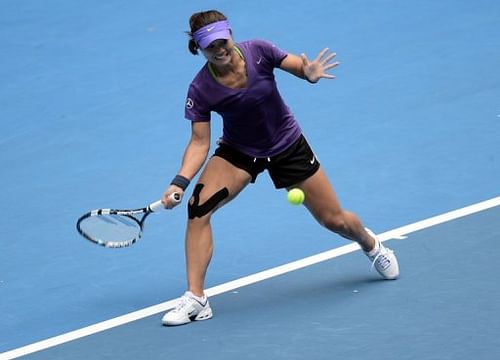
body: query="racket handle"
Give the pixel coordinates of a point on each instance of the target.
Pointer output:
(158, 205)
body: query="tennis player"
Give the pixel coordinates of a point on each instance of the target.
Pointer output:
(259, 133)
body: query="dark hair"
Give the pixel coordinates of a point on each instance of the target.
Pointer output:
(197, 21)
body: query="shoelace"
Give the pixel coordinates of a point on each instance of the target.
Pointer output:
(381, 258)
(183, 302)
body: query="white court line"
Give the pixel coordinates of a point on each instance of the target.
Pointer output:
(247, 280)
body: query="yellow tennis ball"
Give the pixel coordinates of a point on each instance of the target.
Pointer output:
(296, 196)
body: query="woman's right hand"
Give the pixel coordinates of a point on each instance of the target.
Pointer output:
(168, 199)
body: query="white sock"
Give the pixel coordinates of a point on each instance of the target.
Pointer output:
(199, 298)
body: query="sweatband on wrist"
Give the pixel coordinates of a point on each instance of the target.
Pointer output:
(180, 181)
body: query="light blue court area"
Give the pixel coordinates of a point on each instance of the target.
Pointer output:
(442, 308)
(91, 113)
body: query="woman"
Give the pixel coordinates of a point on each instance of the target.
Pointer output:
(259, 133)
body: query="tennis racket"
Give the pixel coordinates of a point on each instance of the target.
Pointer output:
(117, 228)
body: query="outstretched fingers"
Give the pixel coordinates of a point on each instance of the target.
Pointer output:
(321, 54)
(328, 58)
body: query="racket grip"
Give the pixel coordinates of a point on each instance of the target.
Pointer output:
(158, 205)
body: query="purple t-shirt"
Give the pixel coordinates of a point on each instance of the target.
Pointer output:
(256, 120)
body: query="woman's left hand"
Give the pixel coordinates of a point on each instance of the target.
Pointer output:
(316, 69)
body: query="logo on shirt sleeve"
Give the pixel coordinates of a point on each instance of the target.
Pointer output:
(189, 103)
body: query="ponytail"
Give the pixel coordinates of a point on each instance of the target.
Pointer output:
(193, 47)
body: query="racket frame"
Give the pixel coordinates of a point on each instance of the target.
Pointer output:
(153, 207)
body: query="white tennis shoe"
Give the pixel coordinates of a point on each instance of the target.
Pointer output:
(384, 260)
(189, 308)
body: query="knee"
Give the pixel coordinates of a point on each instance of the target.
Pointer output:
(199, 221)
(334, 221)
(201, 206)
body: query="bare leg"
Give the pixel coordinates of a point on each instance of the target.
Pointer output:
(323, 204)
(218, 174)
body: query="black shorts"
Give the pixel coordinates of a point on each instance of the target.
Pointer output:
(288, 168)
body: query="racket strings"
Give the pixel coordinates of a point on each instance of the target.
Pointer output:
(111, 228)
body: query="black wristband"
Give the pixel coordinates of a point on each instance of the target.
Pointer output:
(180, 181)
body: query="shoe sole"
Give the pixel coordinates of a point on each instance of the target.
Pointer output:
(205, 314)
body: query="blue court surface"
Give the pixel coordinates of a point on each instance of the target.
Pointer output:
(91, 110)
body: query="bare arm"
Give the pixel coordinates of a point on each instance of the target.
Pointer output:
(311, 71)
(194, 157)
